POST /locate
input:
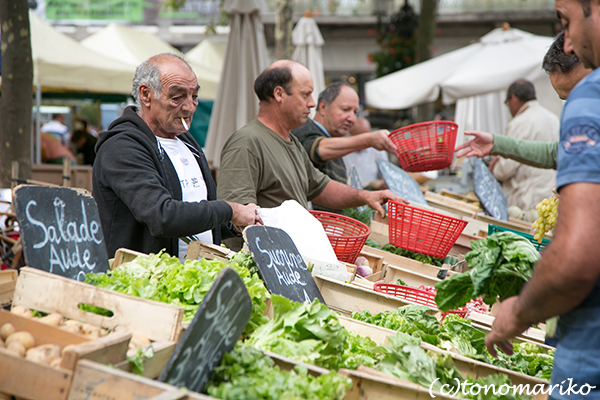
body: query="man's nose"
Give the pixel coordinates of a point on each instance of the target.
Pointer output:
(189, 104)
(311, 102)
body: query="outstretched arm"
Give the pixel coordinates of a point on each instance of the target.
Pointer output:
(331, 148)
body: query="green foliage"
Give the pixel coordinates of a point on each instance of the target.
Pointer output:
(438, 262)
(247, 374)
(163, 278)
(499, 268)
(361, 214)
(457, 334)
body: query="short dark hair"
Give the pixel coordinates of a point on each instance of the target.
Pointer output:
(556, 61)
(331, 92)
(269, 79)
(587, 9)
(522, 90)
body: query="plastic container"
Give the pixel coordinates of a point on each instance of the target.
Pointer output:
(408, 293)
(346, 235)
(538, 246)
(427, 146)
(422, 231)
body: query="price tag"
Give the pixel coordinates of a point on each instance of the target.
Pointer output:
(215, 329)
(400, 182)
(60, 230)
(280, 264)
(488, 190)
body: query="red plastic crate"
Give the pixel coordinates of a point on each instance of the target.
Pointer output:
(426, 232)
(346, 235)
(427, 146)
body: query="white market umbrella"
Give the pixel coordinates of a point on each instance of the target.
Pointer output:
(307, 39)
(476, 77)
(133, 46)
(246, 57)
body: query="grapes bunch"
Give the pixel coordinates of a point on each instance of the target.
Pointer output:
(547, 211)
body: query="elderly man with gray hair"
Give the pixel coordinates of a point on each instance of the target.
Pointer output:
(151, 180)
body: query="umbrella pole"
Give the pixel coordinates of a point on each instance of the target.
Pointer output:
(38, 135)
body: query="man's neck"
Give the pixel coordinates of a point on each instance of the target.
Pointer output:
(274, 123)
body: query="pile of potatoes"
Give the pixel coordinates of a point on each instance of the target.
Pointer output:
(22, 343)
(86, 330)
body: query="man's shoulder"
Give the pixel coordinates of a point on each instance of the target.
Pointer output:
(309, 128)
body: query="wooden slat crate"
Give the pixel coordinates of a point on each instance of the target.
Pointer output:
(8, 280)
(123, 256)
(198, 250)
(351, 298)
(94, 381)
(46, 292)
(518, 225)
(27, 379)
(407, 264)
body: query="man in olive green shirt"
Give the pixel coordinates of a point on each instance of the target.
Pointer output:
(565, 71)
(263, 163)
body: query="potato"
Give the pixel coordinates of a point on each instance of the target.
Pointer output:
(71, 326)
(22, 311)
(138, 340)
(24, 337)
(43, 354)
(2, 345)
(53, 319)
(6, 330)
(56, 362)
(16, 348)
(90, 331)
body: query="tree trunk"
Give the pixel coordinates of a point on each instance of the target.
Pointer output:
(427, 24)
(283, 29)
(16, 100)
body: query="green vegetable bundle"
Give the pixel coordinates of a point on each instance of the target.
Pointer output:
(163, 278)
(311, 333)
(499, 267)
(438, 262)
(247, 374)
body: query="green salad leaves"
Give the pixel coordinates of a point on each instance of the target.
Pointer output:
(499, 267)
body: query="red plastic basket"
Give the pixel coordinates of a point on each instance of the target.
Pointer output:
(346, 235)
(422, 231)
(427, 146)
(408, 293)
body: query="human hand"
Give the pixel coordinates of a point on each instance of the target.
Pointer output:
(244, 215)
(480, 146)
(380, 140)
(505, 327)
(375, 199)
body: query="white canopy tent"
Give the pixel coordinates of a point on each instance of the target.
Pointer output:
(476, 77)
(209, 54)
(133, 46)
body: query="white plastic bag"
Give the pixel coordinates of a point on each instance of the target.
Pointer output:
(308, 235)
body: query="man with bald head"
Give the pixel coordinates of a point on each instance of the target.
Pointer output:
(264, 163)
(151, 180)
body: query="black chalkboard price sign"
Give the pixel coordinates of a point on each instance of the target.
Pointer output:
(280, 264)
(400, 182)
(488, 190)
(215, 329)
(60, 230)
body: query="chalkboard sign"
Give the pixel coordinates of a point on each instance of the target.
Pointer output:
(60, 230)
(354, 181)
(400, 182)
(215, 329)
(488, 190)
(280, 264)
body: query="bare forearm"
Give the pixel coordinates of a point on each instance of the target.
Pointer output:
(334, 148)
(339, 196)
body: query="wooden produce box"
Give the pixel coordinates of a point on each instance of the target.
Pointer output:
(484, 322)
(407, 264)
(451, 205)
(467, 366)
(29, 380)
(46, 292)
(123, 256)
(512, 223)
(367, 383)
(94, 381)
(8, 280)
(351, 298)
(199, 249)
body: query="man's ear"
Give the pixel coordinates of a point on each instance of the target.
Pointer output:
(145, 94)
(278, 93)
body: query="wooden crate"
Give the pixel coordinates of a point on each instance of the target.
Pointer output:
(123, 256)
(512, 223)
(81, 175)
(8, 280)
(367, 384)
(470, 198)
(350, 298)
(467, 366)
(453, 206)
(46, 292)
(94, 381)
(484, 322)
(198, 250)
(33, 381)
(393, 260)
(162, 351)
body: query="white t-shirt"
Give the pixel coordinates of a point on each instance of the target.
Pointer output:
(193, 187)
